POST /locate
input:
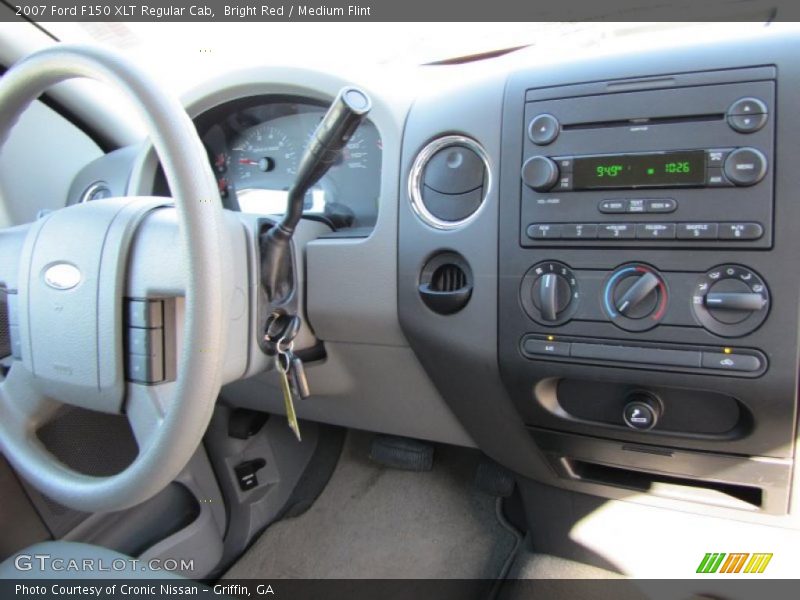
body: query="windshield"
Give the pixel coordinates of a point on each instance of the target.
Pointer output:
(185, 54)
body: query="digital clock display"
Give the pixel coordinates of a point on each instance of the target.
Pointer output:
(652, 169)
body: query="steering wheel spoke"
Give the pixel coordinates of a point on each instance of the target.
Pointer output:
(146, 407)
(22, 403)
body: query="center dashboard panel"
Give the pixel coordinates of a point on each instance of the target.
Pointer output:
(644, 296)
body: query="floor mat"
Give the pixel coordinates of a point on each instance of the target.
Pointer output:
(375, 522)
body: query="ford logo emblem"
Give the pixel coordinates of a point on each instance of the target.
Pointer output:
(62, 276)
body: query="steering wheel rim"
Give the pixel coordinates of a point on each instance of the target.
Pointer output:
(168, 430)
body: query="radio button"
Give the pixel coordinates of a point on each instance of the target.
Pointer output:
(747, 115)
(745, 166)
(564, 182)
(655, 231)
(715, 177)
(564, 163)
(579, 231)
(748, 106)
(636, 206)
(616, 231)
(663, 205)
(747, 123)
(740, 231)
(613, 206)
(544, 231)
(716, 157)
(697, 231)
(544, 129)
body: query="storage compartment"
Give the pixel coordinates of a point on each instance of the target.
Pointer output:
(681, 488)
(618, 470)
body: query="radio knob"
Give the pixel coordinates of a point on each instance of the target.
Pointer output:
(745, 166)
(540, 173)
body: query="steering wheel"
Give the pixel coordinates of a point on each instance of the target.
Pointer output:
(67, 275)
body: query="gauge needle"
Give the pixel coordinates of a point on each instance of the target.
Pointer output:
(247, 161)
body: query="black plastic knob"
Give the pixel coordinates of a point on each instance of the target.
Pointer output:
(551, 295)
(635, 297)
(745, 166)
(730, 300)
(540, 173)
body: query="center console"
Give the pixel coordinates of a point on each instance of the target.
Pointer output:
(647, 328)
(608, 296)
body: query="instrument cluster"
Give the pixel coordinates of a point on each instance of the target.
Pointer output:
(255, 146)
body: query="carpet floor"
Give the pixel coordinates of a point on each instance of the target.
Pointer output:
(376, 522)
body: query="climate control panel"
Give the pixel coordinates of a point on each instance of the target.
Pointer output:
(729, 300)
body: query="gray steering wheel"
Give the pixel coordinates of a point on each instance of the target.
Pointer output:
(66, 274)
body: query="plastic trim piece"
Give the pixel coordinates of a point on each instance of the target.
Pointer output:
(418, 168)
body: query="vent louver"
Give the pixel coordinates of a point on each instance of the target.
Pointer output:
(448, 278)
(445, 284)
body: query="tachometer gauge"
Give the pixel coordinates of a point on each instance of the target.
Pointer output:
(264, 156)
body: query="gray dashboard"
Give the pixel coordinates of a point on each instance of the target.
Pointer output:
(539, 364)
(429, 311)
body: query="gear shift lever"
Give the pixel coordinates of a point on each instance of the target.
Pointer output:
(349, 108)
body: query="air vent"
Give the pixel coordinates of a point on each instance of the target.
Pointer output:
(448, 278)
(449, 181)
(446, 283)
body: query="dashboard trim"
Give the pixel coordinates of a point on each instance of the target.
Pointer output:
(418, 169)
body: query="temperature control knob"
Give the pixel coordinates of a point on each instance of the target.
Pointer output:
(540, 173)
(635, 297)
(549, 293)
(730, 300)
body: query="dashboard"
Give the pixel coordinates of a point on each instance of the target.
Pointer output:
(585, 267)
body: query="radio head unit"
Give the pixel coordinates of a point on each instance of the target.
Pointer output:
(595, 169)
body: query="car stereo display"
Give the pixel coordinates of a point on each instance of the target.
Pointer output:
(651, 169)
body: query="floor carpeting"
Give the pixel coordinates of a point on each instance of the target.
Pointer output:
(375, 522)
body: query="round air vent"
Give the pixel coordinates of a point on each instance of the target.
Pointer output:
(445, 284)
(449, 181)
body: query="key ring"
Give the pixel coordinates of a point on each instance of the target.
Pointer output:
(283, 346)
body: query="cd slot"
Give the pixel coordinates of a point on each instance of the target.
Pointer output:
(645, 121)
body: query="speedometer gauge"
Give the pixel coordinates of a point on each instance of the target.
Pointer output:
(264, 156)
(355, 154)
